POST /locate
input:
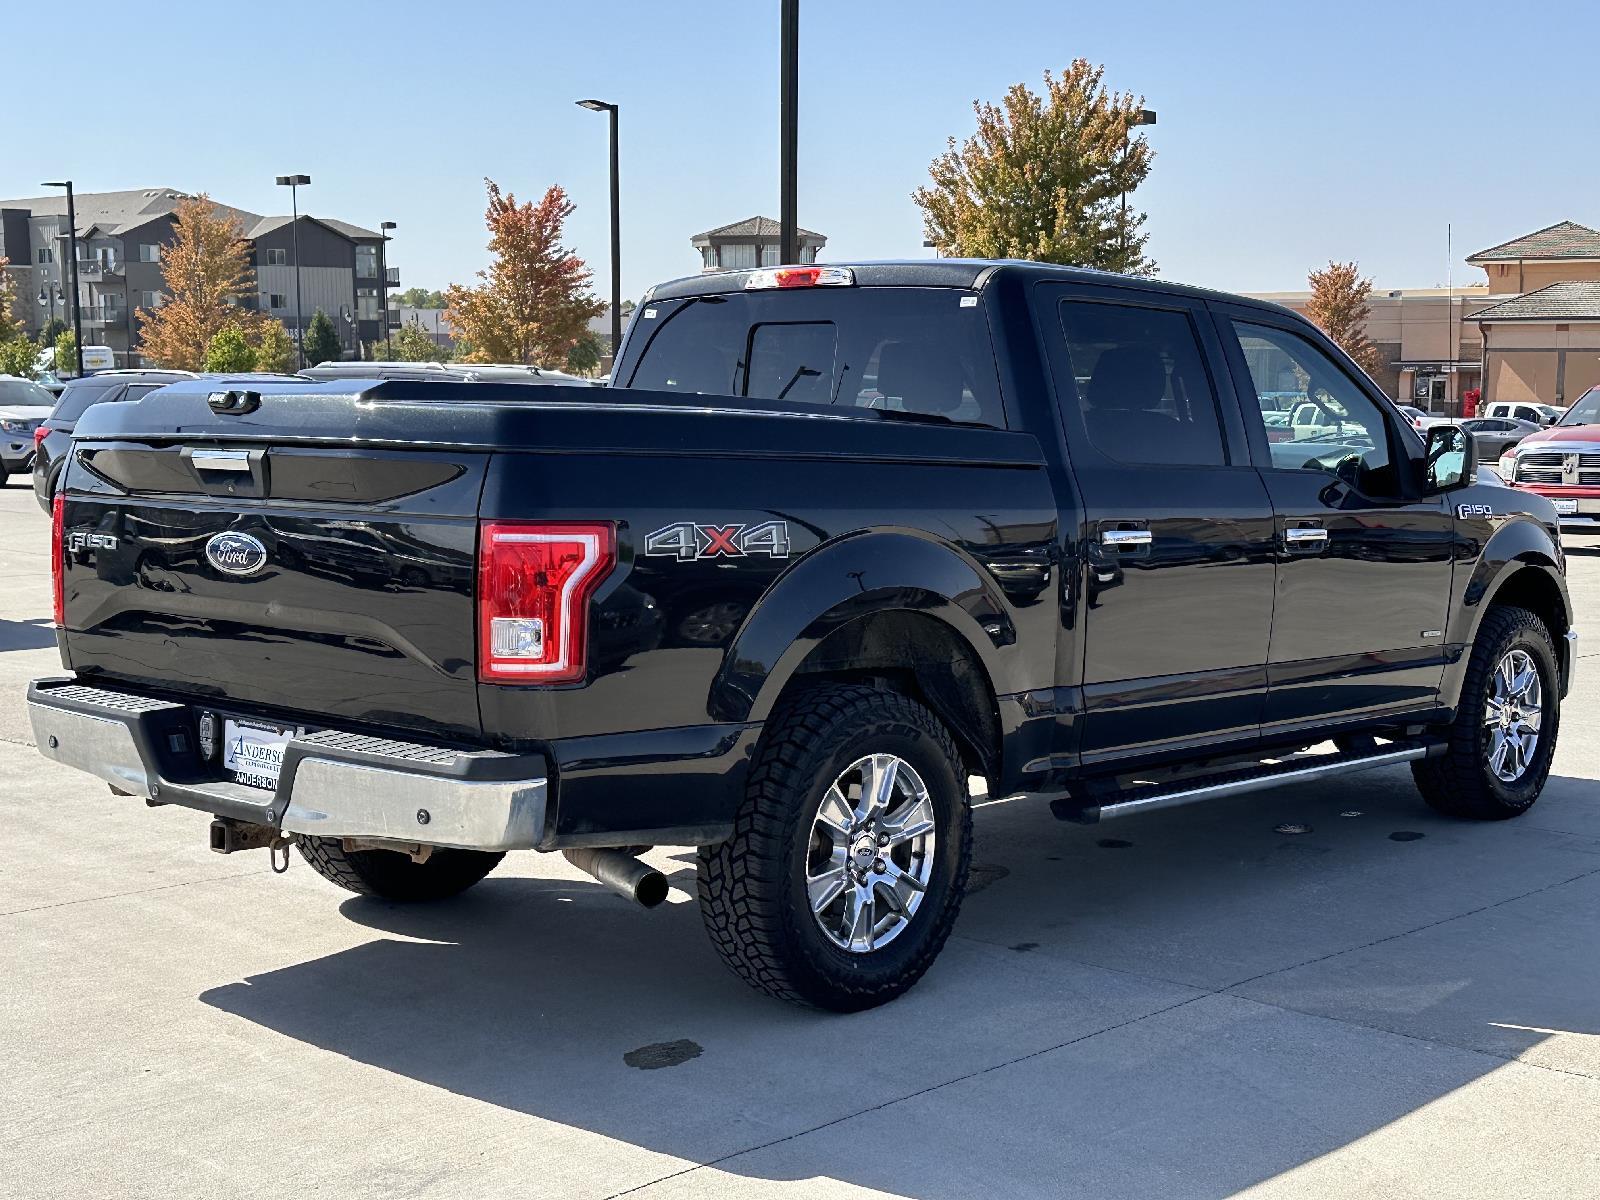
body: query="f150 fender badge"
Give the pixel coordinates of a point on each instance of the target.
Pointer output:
(687, 541)
(235, 553)
(1467, 511)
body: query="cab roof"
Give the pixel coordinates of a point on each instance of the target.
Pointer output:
(968, 273)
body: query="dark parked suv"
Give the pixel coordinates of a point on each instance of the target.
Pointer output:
(53, 437)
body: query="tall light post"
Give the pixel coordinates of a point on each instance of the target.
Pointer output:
(72, 251)
(383, 283)
(616, 226)
(789, 133)
(1145, 116)
(294, 183)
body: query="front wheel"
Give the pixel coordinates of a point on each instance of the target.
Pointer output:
(393, 875)
(849, 856)
(1504, 735)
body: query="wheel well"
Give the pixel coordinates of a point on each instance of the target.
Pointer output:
(925, 659)
(1531, 588)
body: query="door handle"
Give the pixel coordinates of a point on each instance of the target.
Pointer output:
(1305, 537)
(1125, 539)
(221, 460)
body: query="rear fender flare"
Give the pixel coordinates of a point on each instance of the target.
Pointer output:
(844, 581)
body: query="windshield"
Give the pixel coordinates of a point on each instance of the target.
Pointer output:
(1586, 411)
(22, 391)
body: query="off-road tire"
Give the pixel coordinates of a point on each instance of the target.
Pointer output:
(392, 875)
(1459, 783)
(752, 887)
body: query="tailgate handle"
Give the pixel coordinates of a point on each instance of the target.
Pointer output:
(220, 460)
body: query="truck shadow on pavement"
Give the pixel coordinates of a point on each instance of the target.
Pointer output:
(27, 635)
(1183, 1004)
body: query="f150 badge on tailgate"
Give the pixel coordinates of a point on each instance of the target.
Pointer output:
(687, 541)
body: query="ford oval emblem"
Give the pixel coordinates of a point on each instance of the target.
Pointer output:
(236, 553)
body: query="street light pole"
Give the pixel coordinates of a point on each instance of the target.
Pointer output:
(294, 183)
(788, 133)
(72, 252)
(616, 226)
(1145, 116)
(383, 283)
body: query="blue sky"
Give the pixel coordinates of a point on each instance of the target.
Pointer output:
(1289, 133)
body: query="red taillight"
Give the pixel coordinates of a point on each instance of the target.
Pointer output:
(535, 580)
(58, 554)
(39, 434)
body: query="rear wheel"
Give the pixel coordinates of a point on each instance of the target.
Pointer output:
(1504, 734)
(393, 875)
(849, 855)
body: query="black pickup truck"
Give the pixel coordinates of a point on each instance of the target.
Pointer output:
(838, 540)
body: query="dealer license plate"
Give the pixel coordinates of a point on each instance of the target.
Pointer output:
(1566, 508)
(253, 754)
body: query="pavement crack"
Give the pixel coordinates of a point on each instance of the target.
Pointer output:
(931, 1088)
(165, 887)
(1412, 1037)
(1471, 912)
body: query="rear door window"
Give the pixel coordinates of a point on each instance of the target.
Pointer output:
(79, 396)
(915, 350)
(1142, 386)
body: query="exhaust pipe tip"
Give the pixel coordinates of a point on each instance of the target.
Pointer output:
(622, 873)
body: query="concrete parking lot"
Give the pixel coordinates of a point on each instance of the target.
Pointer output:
(1185, 1004)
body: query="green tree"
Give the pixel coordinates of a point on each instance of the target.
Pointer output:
(18, 357)
(53, 328)
(417, 297)
(584, 357)
(415, 344)
(229, 350)
(66, 347)
(322, 341)
(274, 348)
(1044, 177)
(1338, 305)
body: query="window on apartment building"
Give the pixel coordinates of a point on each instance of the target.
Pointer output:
(277, 300)
(738, 257)
(367, 304)
(149, 252)
(366, 262)
(150, 299)
(277, 258)
(769, 256)
(46, 255)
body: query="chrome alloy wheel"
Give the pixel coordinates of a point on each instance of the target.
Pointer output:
(1512, 715)
(871, 853)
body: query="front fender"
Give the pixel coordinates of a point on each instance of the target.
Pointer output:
(1516, 545)
(848, 579)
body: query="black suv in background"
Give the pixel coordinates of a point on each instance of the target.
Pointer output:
(54, 436)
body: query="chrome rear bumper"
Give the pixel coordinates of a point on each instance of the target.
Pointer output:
(332, 784)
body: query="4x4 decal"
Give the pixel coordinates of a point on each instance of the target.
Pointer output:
(687, 541)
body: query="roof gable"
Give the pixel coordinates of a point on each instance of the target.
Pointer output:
(756, 227)
(1554, 302)
(1564, 239)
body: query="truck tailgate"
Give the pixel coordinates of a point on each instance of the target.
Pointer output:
(290, 578)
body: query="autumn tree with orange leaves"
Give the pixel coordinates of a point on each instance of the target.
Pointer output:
(1338, 306)
(534, 302)
(207, 272)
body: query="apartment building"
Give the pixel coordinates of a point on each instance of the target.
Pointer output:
(121, 236)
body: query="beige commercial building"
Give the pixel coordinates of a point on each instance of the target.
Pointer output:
(1531, 332)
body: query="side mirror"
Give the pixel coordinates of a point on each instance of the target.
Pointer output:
(1451, 459)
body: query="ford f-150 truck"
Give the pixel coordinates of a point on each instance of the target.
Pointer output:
(837, 540)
